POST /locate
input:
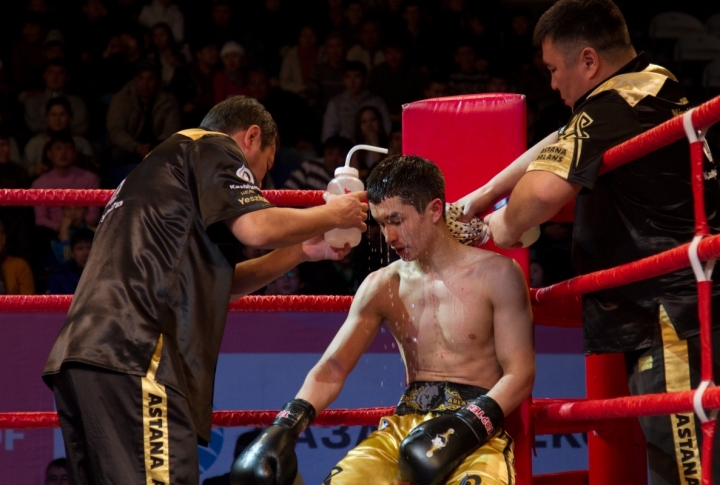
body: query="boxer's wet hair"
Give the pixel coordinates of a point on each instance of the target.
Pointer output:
(573, 25)
(240, 113)
(416, 180)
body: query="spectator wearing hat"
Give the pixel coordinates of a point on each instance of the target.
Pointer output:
(55, 77)
(231, 80)
(140, 117)
(164, 11)
(53, 46)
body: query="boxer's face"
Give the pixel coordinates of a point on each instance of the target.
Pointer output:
(569, 76)
(407, 231)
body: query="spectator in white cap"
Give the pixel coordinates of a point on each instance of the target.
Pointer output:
(166, 12)
(231, 80)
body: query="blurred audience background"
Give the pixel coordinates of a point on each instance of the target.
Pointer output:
(89, 87)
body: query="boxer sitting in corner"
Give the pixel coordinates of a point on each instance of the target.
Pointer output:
(462, 319)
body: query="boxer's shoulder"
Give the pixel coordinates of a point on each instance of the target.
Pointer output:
(484, 260)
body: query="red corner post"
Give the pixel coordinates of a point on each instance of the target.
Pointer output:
(617, 454)
(472, 138)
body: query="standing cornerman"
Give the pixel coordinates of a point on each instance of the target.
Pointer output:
(133, 368)
(635, 211)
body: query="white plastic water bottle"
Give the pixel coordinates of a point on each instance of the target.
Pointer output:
(347, 180)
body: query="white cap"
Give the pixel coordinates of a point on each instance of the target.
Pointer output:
(343, 170)
(232, 46)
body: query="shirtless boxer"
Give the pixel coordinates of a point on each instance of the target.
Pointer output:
(462, 319)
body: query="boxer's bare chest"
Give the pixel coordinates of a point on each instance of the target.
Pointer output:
(441, 322)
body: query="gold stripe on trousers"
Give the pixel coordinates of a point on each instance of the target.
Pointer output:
(155, 424)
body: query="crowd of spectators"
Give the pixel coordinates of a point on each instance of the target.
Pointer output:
(89, 87)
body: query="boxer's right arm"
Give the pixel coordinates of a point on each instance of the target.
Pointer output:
(277, 227)
(325, 380)
(271, 459)
(503, 183)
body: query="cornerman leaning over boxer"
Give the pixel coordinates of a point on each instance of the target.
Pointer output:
(134, 365)
(461, 317)
(637, 210)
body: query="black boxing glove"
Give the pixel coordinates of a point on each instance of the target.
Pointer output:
(270, 459)
(435, 448)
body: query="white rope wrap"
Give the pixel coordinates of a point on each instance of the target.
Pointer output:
(697, 403)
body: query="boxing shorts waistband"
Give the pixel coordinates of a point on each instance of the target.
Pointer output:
(436, 397)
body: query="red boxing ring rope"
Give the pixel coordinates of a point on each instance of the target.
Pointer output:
(652, 266)
(100, 197)
(705, 115)
(251, 303)
(549, 415)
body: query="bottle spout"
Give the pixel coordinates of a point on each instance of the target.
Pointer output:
(370, 148)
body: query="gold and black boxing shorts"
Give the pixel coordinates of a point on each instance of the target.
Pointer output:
(375, 459)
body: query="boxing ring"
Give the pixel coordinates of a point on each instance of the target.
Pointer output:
(616, 452)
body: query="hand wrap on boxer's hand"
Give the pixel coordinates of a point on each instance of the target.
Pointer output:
(435, 448)
(473, 233)
(270, 459)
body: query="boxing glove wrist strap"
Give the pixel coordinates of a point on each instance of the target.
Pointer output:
(296, 415)
(484, 416)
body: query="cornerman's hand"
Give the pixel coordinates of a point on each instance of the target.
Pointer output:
(317, 249)
(350, 210)
(475, 203)
(498, 230)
